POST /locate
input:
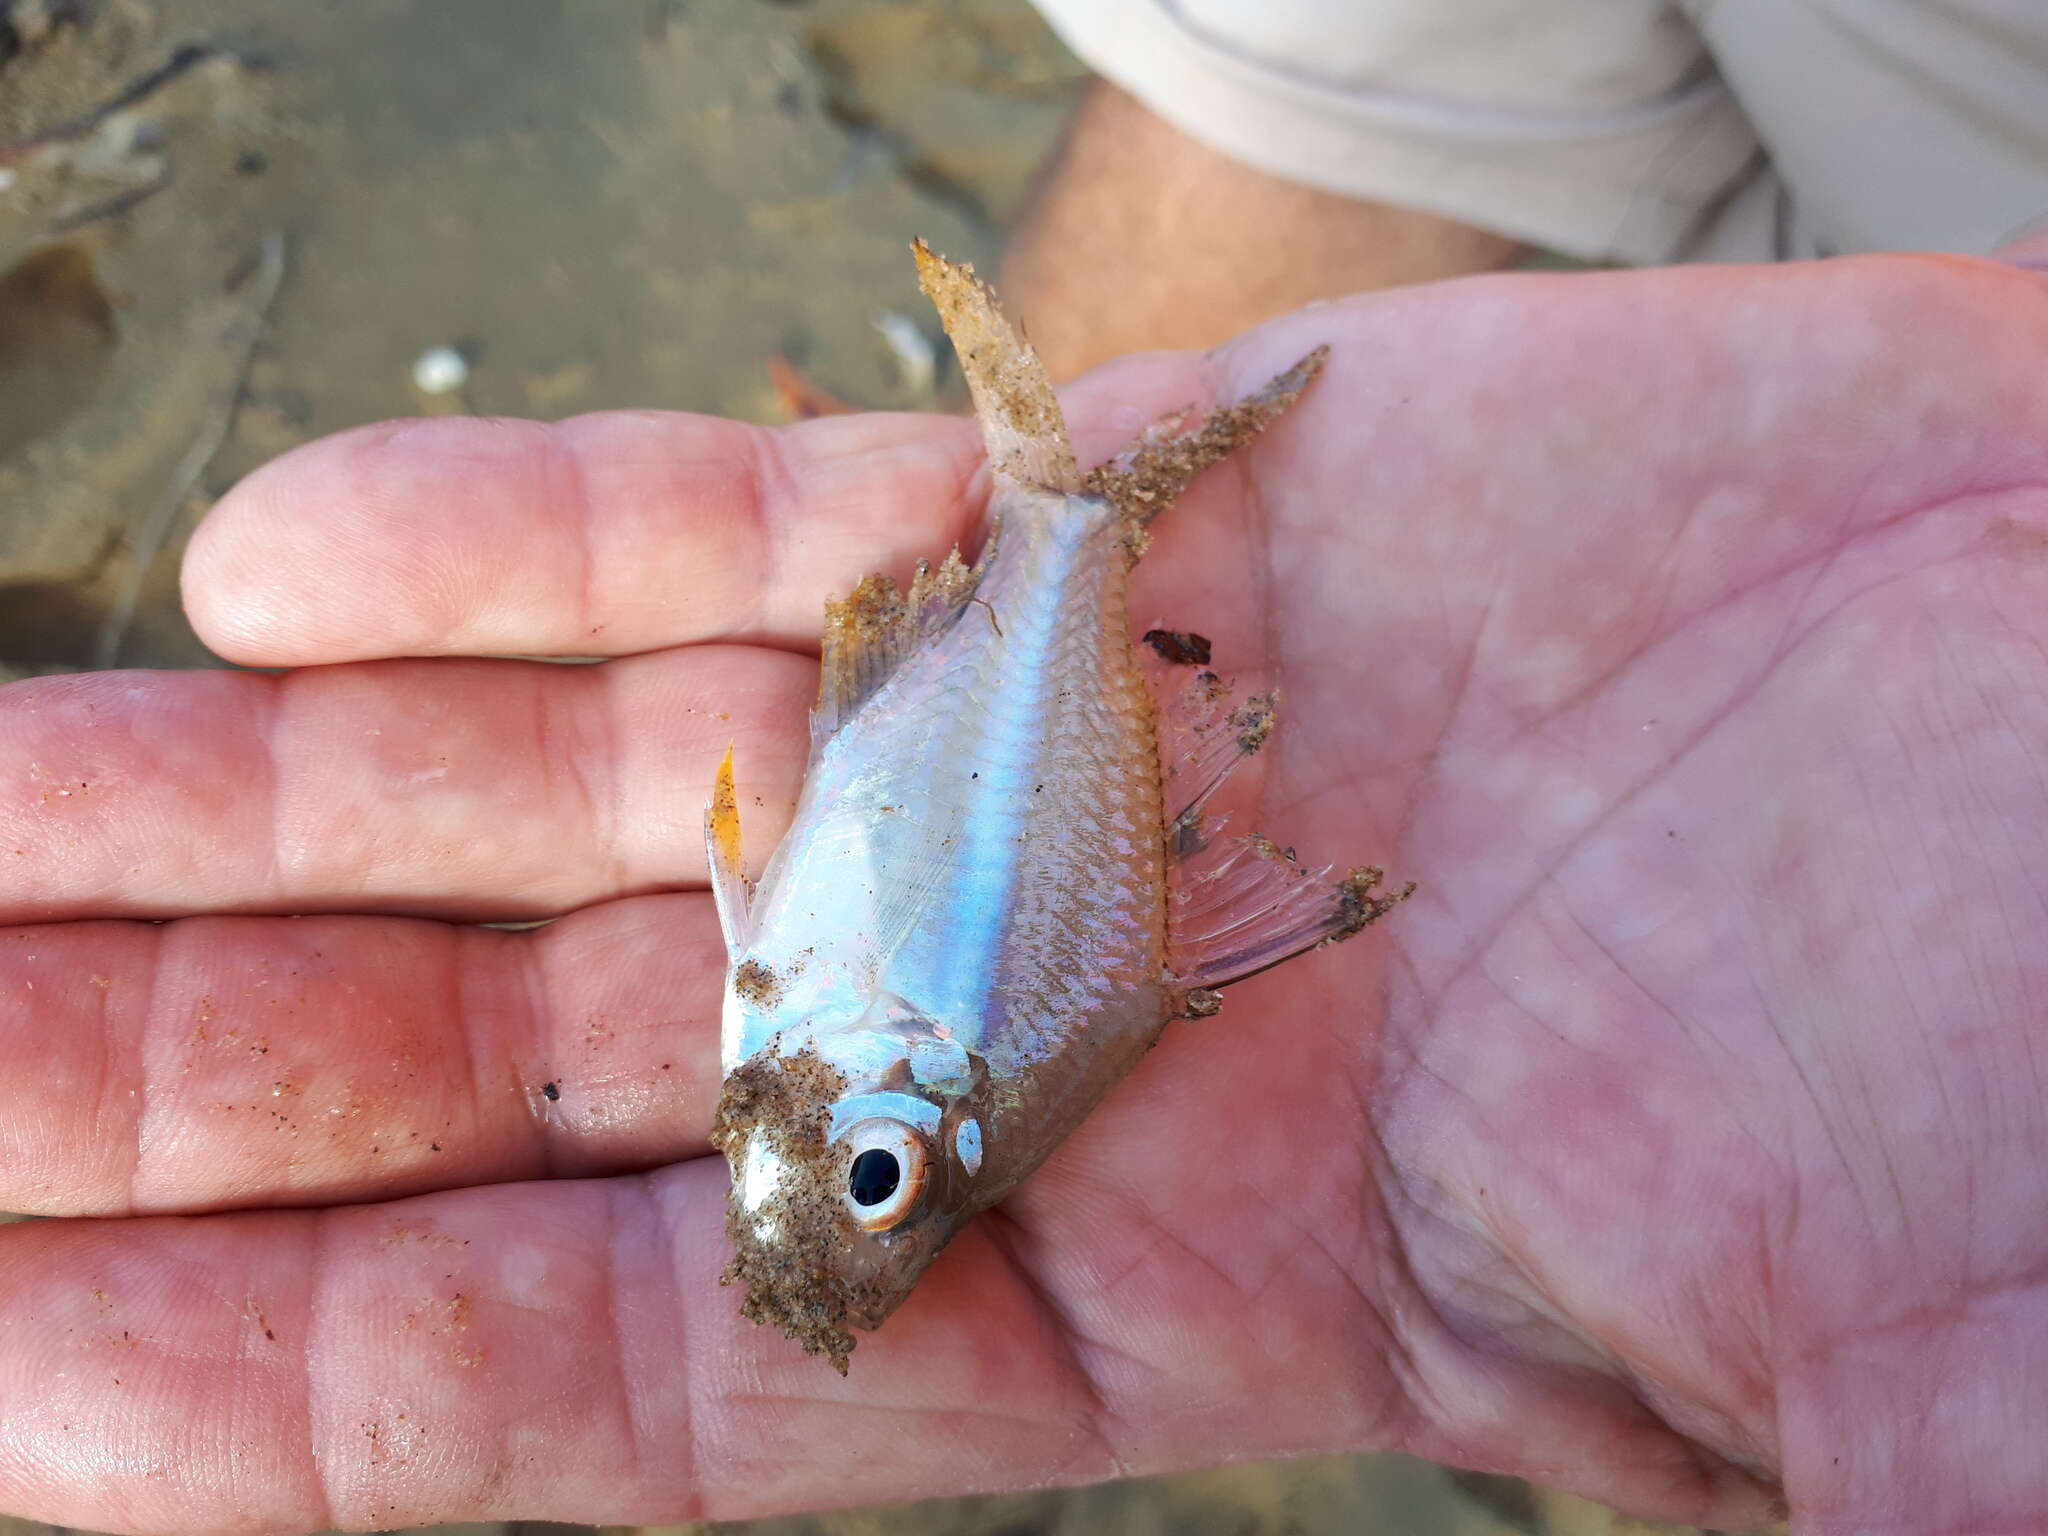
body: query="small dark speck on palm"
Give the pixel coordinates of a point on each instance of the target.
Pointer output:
(1182, 649)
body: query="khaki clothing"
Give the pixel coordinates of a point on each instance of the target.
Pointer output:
(1624, 130)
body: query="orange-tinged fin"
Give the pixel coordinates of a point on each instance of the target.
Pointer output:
(729, 889)
(1020, 418)
(797, 397)
(1144, 479)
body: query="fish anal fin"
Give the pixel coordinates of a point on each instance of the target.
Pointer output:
(1241, 907)
(1020, 417)
(1204, 734)
(1143, 480)
(730, 892)
(869, 632)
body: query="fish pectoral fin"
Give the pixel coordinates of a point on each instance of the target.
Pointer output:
(1020, 418)
(1143, 480)
(869, 633)
(1239, 908)
(730, 891)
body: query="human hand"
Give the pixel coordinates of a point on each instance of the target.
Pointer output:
(1680, 632)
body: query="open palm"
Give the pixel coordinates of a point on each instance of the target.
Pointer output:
(1681, 633)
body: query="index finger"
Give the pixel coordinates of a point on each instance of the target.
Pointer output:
(599, 536)
(602, 535)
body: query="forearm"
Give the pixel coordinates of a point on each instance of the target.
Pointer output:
(1142, 237)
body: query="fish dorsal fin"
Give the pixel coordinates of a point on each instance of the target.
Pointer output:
(868, 634)
(1020, 418)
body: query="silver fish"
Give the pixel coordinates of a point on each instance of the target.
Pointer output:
(991, 899)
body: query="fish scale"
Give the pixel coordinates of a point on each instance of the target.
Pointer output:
(1029, 654)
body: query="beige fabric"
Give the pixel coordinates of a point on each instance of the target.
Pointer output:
(1630, 130)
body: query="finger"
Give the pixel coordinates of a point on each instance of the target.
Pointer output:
(535, 1351)
(486, 790)
(257, 1061)
(602, 535)
(596, 536)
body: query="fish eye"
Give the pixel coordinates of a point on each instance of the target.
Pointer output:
(887, 1175)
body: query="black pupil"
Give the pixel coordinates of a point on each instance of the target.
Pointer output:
(875, 1177)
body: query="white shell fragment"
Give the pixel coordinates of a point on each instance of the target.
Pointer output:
(440, 371)
(917, 358)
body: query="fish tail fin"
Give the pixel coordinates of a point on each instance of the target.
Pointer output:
(1143, 480)
(1013, 399)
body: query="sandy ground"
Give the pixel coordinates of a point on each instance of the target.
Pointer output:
(228, 226)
